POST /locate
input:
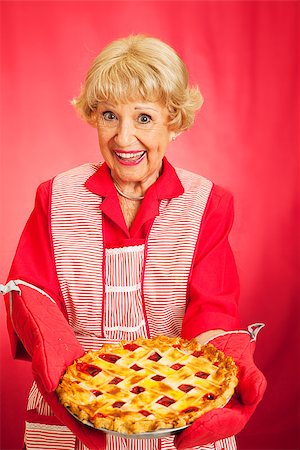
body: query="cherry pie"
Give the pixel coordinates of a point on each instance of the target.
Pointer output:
(147, 384)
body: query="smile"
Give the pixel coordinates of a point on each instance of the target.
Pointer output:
(130, 158)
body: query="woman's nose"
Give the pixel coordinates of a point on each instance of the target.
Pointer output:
(125, 133)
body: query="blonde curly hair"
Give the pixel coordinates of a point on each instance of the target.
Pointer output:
(140, 67)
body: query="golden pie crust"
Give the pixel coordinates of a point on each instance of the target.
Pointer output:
(147, 384)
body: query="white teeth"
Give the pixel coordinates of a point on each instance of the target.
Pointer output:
(130, 155)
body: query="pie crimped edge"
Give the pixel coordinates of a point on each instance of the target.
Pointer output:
(145, 385)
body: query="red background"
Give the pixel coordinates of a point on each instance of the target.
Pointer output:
(244, 57)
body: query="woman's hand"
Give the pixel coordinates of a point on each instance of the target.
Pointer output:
(44, 332)
(52, 344)
(230, 420)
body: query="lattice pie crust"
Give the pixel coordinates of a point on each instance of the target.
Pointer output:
(147, 384)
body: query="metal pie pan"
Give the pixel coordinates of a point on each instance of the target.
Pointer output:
(158, 434)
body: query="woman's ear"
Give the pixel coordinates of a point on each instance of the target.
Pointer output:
(93, 119)
(174, 135)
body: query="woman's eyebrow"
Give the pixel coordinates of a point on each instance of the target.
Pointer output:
(138, 107)
(107, 104)
(145, 107)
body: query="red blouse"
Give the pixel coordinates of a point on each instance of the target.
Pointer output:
(213, 291)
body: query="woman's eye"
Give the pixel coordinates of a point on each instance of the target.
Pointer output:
(108, 115)
(144, 119)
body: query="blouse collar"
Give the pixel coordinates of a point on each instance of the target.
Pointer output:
(167, 186)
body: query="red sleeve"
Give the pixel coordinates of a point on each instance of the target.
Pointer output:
(214, 284)
(34, 261)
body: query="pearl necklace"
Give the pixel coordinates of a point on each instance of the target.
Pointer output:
(127, 196)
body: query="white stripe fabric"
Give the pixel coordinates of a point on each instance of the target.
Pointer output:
(80, 446)
(130, 444)
(37, 403)
(55, 437)
(107, 294)
(170, 251)
(226, 444)
(123, 309)
(78, 246)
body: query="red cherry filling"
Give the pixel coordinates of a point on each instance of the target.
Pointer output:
(136, 367)
(88, 368)
(109, 358)
(131, 347)
(137, 389)
(177, 366)
(144, 412)
(158, 378)
(202, 374)
(165, 401)
(95, 392)
(98, 414)
(118, 404)
(197, 353)
(216, 364)
(176, 345)
(155, 356)
(115, 380)
(209, 396)
(185, 387)
(190, 409)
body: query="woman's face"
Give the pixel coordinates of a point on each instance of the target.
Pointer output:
(133, 139)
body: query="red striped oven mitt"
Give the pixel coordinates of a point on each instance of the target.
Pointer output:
(52, 345)
(230, 420)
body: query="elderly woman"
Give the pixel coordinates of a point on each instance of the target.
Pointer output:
(126, 248)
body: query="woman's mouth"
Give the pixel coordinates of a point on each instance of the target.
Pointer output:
(130, 158)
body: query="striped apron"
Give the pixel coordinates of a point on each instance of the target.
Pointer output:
(119, 293)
